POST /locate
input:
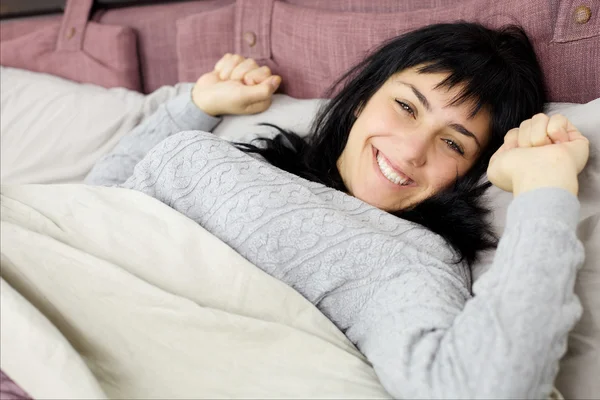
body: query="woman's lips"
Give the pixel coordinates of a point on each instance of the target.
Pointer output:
(404, 176)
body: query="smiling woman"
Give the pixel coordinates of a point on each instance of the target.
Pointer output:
(410, 142)
(414, 125)
(375, 218)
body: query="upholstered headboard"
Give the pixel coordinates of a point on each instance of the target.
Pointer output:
(309, 42)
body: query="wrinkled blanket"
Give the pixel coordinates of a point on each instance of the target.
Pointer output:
(108, 293)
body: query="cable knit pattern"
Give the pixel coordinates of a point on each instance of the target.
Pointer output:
(389, 284)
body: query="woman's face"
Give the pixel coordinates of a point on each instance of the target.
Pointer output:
(408, 143)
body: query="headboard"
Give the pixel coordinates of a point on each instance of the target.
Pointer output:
(309, 42)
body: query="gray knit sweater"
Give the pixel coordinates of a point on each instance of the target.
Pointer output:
(390, 285)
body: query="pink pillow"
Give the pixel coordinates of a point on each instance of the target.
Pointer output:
(311, 47)
(77, 50)
(9, 390)
(202, 39)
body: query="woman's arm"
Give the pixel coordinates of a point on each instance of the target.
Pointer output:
(426, 339)
(505, 342)
(176, 115)
(236, 86)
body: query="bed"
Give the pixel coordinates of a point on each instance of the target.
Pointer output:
(110, 294)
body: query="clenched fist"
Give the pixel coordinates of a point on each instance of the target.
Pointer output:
(542, 152)
(237, 85)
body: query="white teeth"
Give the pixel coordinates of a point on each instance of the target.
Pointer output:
(389, 172)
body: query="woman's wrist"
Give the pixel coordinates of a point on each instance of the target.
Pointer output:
(562, 178)
(205, 105)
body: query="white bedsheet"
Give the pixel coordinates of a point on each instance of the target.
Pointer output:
(108, 292)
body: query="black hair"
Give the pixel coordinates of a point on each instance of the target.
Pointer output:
(497, 70)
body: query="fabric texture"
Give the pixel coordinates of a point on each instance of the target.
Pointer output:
(75, 49)
(161, 36)
(156, 28)
(114, 168)
(121, 297)
(13, 29)
(393, 287)
(320, 45)
(9, 390)
(179, 41)
(34, 353)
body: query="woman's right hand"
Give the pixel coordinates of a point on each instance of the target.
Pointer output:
(236, 85)
(542, 152)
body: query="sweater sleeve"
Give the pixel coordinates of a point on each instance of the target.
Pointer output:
(176, 115)
(427, 339)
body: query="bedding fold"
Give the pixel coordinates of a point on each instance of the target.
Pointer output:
(150, 305)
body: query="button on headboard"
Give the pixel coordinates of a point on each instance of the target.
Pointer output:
(576, 20)
(72, 30)
(252, 28)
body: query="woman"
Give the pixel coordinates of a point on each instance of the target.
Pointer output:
(409, 136)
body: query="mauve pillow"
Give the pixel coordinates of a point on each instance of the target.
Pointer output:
(202, 39)
(311, 47)
(107, 57)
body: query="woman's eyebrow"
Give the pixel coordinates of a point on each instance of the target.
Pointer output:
(423, 100)
(461, 129)
(419, 95)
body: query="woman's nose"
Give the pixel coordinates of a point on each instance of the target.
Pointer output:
(413, 148)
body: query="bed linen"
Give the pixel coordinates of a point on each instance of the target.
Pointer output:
(110, 293)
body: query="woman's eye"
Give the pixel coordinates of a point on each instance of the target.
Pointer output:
(406, 108)
(455, 147)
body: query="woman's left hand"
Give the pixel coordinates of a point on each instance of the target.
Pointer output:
(542, 152)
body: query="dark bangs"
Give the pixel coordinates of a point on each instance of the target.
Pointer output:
(497, 70)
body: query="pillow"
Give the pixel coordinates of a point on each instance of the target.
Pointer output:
(73, 48)
(108, 56)
(54, 130)
(58, 136)
(286, 112)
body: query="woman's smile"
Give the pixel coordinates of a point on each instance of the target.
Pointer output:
(390, 175)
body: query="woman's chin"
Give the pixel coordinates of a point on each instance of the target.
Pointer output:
(386, 200)
(376, 201)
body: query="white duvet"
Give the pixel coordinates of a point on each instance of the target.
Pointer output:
(108, 293)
